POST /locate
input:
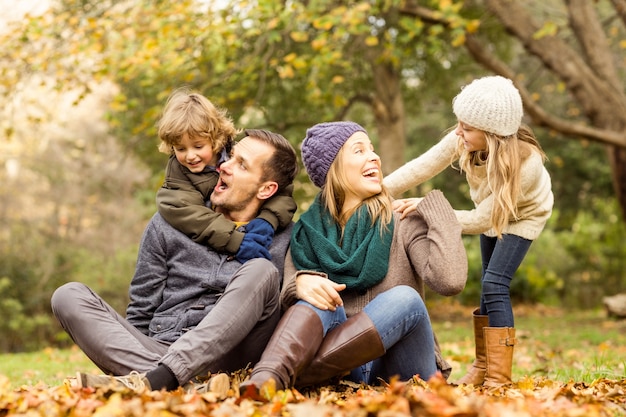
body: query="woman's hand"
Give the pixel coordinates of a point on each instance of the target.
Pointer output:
(319, 291)
(406, 205)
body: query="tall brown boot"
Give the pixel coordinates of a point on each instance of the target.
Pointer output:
(476, 374)
(499, 344)
(349, 345)
(297, 337)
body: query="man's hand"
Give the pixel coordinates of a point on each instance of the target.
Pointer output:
(319, 291)
(406, 205)
(256, 241)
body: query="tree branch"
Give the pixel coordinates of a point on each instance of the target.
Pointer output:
(620, 8)
(538, 114)
(357, 98)
(596, 95)
(587, 28)
(412, 8)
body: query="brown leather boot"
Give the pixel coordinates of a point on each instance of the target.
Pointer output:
(297, 337)
(499, 344)
(476, 374)
(347, 346)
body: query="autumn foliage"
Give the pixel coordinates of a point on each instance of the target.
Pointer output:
(436, 397)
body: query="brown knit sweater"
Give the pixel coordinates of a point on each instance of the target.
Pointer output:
(426, 249)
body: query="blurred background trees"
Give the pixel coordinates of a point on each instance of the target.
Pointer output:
(83, 81)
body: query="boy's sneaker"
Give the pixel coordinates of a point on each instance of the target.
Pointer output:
(134, 381)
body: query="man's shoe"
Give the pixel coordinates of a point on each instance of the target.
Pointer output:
(218, 384)
(134, 381)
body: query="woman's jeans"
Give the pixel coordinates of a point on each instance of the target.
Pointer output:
(501, 258)
(402, 321)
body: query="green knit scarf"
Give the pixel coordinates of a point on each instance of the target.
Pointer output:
(360, 262)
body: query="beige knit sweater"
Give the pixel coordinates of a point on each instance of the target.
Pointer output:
(426, 249)
(534, 205)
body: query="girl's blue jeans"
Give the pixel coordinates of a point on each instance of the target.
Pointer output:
(501, 258)
(402, 321)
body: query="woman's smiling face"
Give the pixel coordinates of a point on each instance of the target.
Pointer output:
(361, 168)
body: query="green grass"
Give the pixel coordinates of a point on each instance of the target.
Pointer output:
(49, 366)
(564, 346)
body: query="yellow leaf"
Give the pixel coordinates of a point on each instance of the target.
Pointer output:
(363, 7)
(318, 44)
(458, 40)
(286, 71)
(273, 23)
(290, 57)
(548, 29)
(322, 24)
(526, 383)
(299, 36)
(472, 26)
(299, 63)
(371, 41)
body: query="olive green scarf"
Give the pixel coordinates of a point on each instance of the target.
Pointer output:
(360, 262)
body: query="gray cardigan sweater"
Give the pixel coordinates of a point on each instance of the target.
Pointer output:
(426, 249)
(177, 281)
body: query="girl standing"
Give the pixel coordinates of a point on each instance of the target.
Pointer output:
(511, 189)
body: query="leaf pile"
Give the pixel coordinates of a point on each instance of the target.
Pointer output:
(434, 398)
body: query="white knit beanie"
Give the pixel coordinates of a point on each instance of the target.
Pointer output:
(492, 104)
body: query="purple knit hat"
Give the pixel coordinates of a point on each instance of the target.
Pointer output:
(321, 145)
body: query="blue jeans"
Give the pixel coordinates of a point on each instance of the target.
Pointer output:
(501, 258)
(402, 321)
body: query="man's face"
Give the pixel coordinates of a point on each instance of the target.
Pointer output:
(239, 189)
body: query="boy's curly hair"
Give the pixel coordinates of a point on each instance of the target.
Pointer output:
(189, 112)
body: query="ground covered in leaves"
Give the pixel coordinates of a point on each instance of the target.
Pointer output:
(528, 397)
(535, 392)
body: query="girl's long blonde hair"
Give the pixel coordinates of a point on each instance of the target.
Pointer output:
(333, 196)
(503, 160)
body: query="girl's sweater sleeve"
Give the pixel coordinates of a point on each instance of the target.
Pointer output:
(424, 167)
(478, 220)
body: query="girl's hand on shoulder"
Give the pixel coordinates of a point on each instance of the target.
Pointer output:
(319, 291)
(404, 206)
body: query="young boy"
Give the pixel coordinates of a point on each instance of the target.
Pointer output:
(198, 136)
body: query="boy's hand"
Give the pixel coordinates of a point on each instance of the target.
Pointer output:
(256, 241)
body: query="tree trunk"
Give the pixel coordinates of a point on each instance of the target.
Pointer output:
(618, 168)
(388, 109)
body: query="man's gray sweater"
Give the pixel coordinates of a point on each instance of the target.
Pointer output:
(177, 281)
